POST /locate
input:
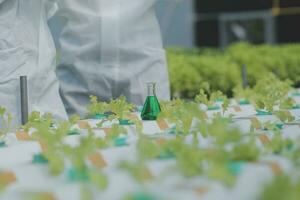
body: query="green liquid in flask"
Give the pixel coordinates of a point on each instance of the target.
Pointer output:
(151, 107)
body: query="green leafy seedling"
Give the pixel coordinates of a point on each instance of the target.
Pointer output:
(203, 98)
(120, 107)
(96, 107)
(138, 170)
(5, 122)
(281, 188)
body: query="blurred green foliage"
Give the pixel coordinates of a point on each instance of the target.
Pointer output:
(192, 69)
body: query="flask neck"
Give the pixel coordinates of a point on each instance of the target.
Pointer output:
(151, 89)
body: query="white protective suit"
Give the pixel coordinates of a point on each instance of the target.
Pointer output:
(110, 48)
(26, 48)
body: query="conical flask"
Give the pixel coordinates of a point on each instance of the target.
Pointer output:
(151, 107)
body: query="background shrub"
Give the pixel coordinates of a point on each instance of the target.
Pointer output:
(192, 69)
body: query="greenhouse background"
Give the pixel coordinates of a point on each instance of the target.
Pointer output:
(191, 23)
(197, 34)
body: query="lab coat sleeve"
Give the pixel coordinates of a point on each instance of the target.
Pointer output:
(51, 7)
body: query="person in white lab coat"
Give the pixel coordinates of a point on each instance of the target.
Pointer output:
(26, 48)
(110, 48)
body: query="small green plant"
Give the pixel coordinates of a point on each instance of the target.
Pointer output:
(116, 131)
(56, 151)
(219, 156)
(281, 188)
(147, 148)
(284, 116)
(36, 118)
(138, 170)
(202, 97)
(189, 158)
(278, 144)
(120, 107)
(220, 131)
(77, 155)
(270, 92)
(220, 171)
(181, 114)
(96, 107)
(5, 122)
(51, 139)
(245, 151)
(294, 153)
(168, 107)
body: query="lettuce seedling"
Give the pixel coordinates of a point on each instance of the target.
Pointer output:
(147, 148)
(270, 92)
(189, 159)
(78, 156)
(277, 144)
(203, 98)
(281, 188)
(5, 122)
(120, 107)
(52, 140)
(241, 93)
(245, 151)
(168, 108)
(284, 116)
(218, 156)
(219, 171)
(220, 131)
(115, 131)
(96, 107)
(138, 170)
(35, 118)
(182, 115)
(98, 178)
